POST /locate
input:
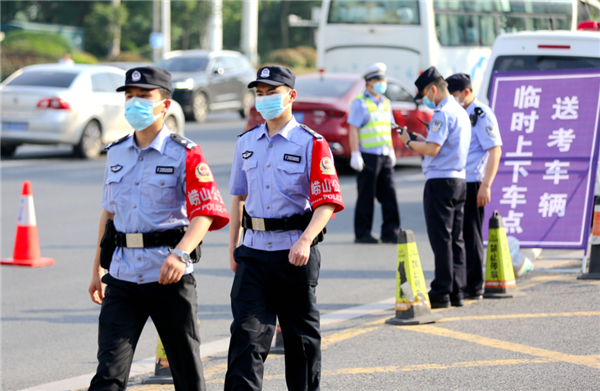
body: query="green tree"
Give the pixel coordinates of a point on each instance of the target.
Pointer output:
(101, 25)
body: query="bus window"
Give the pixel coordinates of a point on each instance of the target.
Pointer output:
(403, 12)
(450, 29)
(508, 24)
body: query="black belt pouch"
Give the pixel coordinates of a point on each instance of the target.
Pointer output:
(108, 244)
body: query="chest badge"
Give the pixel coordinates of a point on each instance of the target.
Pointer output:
(247, 154)
(116, 168)
(292, 158)
(165, 170)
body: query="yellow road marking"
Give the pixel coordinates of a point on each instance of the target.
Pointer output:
(216, 369)
(521, 316)
(588, 361)
(347, 334)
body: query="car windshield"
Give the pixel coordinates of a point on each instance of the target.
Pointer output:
(44, 79)
(184, 64)
(328, 88)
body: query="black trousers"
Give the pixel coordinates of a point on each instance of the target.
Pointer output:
(376, 180)
(125, 309)
(474, 216)
(444, 201)
(267, 286)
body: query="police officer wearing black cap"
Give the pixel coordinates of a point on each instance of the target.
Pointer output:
(481, 169)
(445, 150)
(159, 199)
(285, 189)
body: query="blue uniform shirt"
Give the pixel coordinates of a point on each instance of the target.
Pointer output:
(276, 187)
(359, 116)
(450, 128)
(484, 136)
(145, 201)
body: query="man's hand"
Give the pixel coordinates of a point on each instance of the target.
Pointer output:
(356, 161)
(96, 288)
(232, 262)
(171, 270)
(420, 137)
(404, 137)
(300, 252)
(484, 195)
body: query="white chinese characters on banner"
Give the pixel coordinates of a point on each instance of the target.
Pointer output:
(550, 204)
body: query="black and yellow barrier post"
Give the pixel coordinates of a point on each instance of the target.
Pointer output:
(162, 372)
(412, 300)
(500, 280)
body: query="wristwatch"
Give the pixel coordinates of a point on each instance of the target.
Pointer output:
(407, 143)
(183, 256)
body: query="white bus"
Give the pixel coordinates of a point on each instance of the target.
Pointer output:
(453, 35)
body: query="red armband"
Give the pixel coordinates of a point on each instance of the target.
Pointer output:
(202, 194)
(324, 182)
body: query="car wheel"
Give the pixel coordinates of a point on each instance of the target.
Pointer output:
(247, 103)
(199, 107)
(171, 123)
(8, 150)
(90, 145)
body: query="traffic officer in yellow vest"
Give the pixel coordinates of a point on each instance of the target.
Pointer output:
(373, 156)
(481, 169)
(445, 150)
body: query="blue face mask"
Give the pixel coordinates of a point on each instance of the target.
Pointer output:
(429, 103)
(139, 112)
(271, 106)
(380, 87)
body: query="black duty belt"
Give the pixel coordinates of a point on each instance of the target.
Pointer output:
(150, 239)
(298, 221)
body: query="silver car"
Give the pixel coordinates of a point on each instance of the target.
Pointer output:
(75, 105)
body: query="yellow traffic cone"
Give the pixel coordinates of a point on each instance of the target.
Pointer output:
(500, 280)
(412, 300)
(162, 372)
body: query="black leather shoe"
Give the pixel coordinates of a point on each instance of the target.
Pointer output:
(389, 239)
(366, 239)
(457, 303)
(474, 297)
(439, 303)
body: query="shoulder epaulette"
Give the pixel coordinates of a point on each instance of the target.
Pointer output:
(479, 111)
(119, 141)
(184, 142)
(309, 130)
(248, 131)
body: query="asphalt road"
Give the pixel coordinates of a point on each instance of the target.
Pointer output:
(49, 323)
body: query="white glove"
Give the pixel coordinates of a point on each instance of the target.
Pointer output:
(393, 157)
(357, 162)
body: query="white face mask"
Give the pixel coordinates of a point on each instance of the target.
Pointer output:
(461, 102)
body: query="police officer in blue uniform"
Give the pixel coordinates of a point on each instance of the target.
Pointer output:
(150, 229)
(373, 156)
(285, 189)
(445, 150)
(482, 165)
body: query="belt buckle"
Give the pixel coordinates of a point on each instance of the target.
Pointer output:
(134, 240)
(258, 224)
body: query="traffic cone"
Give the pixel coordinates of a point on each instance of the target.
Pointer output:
(27, 243)
(594, 266)
(412, 300)
(162, 372)
(500, 280)
(278, 348)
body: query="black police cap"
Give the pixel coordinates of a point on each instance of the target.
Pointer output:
(459, 82)
(426, 78)
(149, 77)
(274, 75)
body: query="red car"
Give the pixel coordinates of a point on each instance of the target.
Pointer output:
(324, 101)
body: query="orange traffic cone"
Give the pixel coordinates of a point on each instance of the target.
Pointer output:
(27, 243)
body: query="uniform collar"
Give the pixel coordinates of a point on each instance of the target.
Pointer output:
(158, 143)
(285, 132)
(471, 108)
(372, 97)
(445, 101)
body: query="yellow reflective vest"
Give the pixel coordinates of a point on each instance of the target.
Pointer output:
(377, 131)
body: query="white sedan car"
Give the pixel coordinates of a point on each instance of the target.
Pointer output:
(75, 105)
